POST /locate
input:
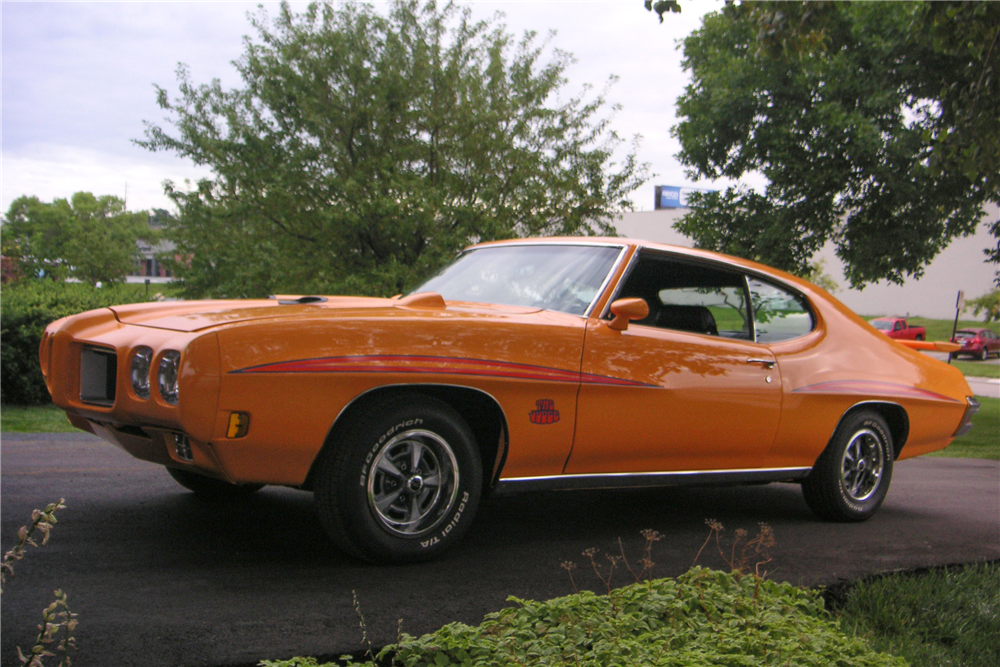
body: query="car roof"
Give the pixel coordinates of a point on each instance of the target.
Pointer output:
(693, 253)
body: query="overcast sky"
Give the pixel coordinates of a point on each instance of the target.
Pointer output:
(78, 82)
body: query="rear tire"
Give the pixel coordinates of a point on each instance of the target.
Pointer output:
(208, 487)
(402, 482)
(851, 477)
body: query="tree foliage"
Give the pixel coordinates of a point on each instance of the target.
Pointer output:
(28, 307)
(876, 126)
(362, 150)
(988, 304)
(89, 238)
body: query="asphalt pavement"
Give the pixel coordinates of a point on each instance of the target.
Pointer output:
(160, 578)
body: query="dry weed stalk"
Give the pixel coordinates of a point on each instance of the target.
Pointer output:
(42, 522)
(56, 628)
(646, 562)
(56, 631)
(364, 628)
(743, 552)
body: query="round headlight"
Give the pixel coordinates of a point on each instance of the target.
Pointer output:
(142, 359)
(170, 363)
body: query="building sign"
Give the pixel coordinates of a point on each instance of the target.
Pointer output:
(670, 196)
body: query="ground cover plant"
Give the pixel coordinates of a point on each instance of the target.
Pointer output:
(703, 617)
(944, 616)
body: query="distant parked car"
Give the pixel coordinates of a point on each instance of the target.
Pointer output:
(898, 328)
(979, 343)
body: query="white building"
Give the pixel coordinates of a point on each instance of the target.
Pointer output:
(960, 266)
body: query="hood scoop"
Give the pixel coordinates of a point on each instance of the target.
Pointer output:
(298, 301)
(424, 300)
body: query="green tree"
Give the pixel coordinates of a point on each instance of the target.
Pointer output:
(362, 150)
(875, 124)
(89, 238)
(988, 303)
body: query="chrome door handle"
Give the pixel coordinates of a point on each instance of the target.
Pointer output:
(768, 364)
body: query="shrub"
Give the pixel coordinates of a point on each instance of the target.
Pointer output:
(27, 307)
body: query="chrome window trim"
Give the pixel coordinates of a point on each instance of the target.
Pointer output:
(607, 280)
(774, 282)
(751, 311)
(633, 260)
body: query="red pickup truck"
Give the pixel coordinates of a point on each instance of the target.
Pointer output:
(896, 327)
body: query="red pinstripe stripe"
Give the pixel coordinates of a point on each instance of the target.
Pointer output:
(443, 366)
(871, 386)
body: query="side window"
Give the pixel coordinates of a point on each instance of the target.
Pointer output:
(686, 296)
(777, 313)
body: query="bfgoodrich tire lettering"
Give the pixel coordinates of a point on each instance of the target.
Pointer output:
(401, 483)
(851, 477)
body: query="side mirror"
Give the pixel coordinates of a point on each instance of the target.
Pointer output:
(625, 310)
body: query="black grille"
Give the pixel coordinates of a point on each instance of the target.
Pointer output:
(98, 375)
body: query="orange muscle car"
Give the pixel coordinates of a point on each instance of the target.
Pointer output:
(569, 363)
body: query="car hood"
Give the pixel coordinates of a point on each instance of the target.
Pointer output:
(198, 315)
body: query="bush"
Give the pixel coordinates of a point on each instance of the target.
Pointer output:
(27, 307)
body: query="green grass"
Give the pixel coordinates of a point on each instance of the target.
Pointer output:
(34, 419)
(941, 329)
(979, 369)
(983, 441)
(948, 616)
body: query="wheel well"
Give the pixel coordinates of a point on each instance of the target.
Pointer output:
(480, 410)
(895, 417)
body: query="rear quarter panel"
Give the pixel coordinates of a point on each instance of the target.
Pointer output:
(845, 363)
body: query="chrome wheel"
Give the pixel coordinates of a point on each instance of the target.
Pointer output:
(413, 483)
(862, 465)
(400, 479)
(851, 477)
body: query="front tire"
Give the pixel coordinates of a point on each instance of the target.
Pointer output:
(851, 478)
(402, 482)
(210, 488)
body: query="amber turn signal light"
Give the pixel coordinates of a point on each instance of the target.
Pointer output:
(239, 424)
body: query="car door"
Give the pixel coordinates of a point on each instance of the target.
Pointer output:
(685, 389)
